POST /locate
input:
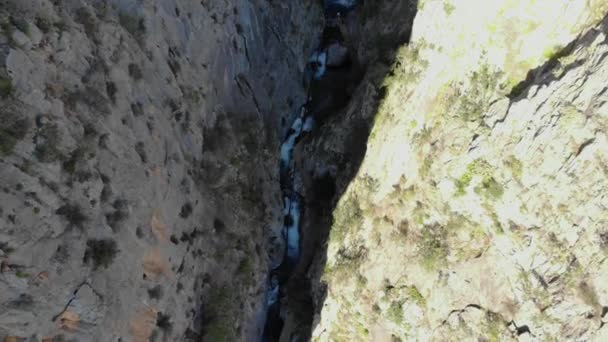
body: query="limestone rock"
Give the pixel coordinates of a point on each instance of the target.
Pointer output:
(478, 210)
(139, 164)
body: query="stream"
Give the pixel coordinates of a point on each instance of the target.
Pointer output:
(329, 54)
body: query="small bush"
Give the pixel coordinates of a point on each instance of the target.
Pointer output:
(6, 248)
(218, 225)
(21, 274)
(111, 90)
(433, 248)
(132, 24)
(186, 210)
(43, 24)
(115, 218)
(482, 87)
(87, 20)
(140, 149)
(137, 109)
(69, 165)
(245, 270)
(346, 267)
(490, 188)
(72, 213)
(348, 216)
(7, 29)
(488, 185)
(91, 97)
(6, 87)
(12, 129)
(416, 296)
(516, 167)
(218, 320)
(448, 7)
(588, 294)
(100, 252)
(47, 139)
(135, 72)
(163, 321)
(493, 326)
(395, 313)
(156, 292)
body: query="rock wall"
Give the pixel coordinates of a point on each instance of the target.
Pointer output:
(479, 208)
(139, 164)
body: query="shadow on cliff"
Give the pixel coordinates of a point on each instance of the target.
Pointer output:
(543, 75)
(336, 150)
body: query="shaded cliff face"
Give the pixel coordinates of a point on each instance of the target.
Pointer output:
(479, 209)
(138, 156)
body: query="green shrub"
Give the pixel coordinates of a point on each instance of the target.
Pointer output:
(132, 24)
(490, 188)
(60, 26)
(395, 313)
(246, 266)
(516, 167)
(448, 7)
(115, 219)
(47, 140)
(433, 248)
(100, 252)
(156, 292)
(135, 72)
(588, 294)
(69, 165)
(43, 24)
(87, 20)
(6, 248)
(221, 309)
(21, 274)
(140, 149)
(6, 87)
(347, 216)
(73, 214)
(7, 28)
(186, 210)
(416, 296)
(346, 267)
(475, 101)
(163, 321)
(12, 129)
(493, 322)
(246, 271)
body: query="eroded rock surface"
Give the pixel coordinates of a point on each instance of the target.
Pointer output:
(138, 157)
(479, 209)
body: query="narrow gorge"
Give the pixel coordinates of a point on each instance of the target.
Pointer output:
(315, 170)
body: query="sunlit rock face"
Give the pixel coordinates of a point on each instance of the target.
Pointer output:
(479, 210)
(139, 159)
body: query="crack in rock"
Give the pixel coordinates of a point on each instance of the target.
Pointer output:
(74, 294)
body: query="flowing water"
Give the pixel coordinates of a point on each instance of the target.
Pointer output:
(303, 124)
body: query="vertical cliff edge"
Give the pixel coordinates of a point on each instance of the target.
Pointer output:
(478, 211)
(138, 163)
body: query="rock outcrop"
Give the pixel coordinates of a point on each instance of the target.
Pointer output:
(479, 209)
(138, 156)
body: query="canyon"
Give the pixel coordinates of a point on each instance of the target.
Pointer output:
(259, 170)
